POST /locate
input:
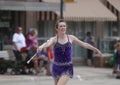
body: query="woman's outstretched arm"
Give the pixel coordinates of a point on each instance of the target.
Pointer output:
(85, 45)
(46, 44)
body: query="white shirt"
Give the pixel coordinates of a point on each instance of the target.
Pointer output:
(19, 39)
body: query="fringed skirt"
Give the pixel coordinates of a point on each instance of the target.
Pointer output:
(59, 70)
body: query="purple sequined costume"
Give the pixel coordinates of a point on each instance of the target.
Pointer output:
(62, 64)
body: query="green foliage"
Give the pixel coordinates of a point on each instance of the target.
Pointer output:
(109, 62)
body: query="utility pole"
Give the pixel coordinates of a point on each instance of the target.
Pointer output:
(61, 9)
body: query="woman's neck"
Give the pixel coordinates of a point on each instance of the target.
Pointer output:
(61, 35)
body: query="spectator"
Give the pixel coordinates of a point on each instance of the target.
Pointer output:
(114, 56)
(32, 44)
(32, 41)
(19, 43)
(117, 60)
(90, 40)
(38, 61)
(50, 59)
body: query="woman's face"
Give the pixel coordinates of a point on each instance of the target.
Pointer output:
(19, 30)
(61, 27)
(118, 48)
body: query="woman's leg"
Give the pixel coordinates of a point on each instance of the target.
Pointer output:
(118, 71)
(118, 75)
(35, 61)
(48, 68)
(63, 80)
(40, 65)
(55, 81)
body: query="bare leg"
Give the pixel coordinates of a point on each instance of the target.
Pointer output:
(114, 70)
(41, 64)
(63, 80)
(48, 69)
(55, 81)
(36, 65)
(89, 62)
(35, 61)
(118, 73)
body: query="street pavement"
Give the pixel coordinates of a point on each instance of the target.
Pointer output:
(83, 75)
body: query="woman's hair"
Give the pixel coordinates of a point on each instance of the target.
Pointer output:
(33, 31)
(60, 20)
(88, 33)
(117, 45)
(18, 29)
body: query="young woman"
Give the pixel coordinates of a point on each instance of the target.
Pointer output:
(62, 68)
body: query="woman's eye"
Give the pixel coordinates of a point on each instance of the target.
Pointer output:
(62, 26)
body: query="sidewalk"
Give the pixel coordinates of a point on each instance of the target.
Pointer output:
(82, 76)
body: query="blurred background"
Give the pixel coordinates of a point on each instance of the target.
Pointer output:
(100, 17)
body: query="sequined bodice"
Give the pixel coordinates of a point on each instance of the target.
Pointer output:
(62, 64)
(63, 53)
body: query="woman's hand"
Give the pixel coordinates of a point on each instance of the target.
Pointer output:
(99, 53)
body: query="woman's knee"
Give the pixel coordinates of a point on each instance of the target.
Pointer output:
(63, 80)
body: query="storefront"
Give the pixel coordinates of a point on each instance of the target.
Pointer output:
(26, 14)
(81, 16)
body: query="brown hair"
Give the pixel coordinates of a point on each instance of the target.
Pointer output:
(18, 29)
(60, 20)
(117, 45)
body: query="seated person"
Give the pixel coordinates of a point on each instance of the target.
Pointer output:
(50, 59)
(39, 59)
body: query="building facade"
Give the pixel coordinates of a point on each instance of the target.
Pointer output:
(81, 15)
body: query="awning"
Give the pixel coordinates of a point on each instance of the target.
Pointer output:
(87, 10)
(46, 15)
(29, 6)
(53, 1)
(115, 3)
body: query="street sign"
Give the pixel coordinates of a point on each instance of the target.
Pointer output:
(29, 6)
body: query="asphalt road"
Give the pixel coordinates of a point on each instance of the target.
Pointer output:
(82, 76)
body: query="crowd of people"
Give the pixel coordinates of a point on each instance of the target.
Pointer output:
(25, 46)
